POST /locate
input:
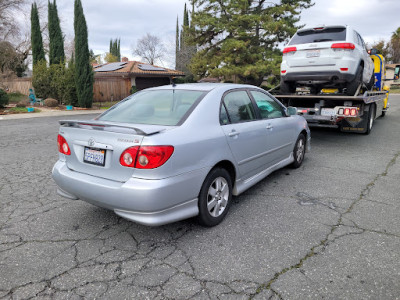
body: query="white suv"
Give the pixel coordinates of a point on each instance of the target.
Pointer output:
(326, 56)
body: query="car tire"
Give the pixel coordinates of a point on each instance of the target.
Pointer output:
(287, 87)
(215, 197)
(314, 90)
(371, 118)
(352, 86)
(371, 82)
(299, 151)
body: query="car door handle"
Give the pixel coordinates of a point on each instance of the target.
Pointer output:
(233, 133)
(269, 126)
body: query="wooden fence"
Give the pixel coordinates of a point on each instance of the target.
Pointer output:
(21, 85)
(105, 89)
(111, 88)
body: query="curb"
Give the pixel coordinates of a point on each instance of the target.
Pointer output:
(53, 113)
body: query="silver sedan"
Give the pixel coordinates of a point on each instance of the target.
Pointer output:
(174, 152)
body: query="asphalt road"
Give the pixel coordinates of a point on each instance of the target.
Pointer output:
(328, 230)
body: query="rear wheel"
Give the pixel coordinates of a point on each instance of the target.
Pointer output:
(215, 197)
(299, 151)
(352, 86)
(371, 82)
(371, 118)
(287, 87)
(314, 90)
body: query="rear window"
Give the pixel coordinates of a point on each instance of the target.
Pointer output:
(160, 107)
(315, 36)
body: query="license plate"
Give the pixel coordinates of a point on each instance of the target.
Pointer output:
(94, 156)
(313, 53)
(327, 112)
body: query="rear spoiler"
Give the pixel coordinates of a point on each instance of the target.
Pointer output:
(114, 127)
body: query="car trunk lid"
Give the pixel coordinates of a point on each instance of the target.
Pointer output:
(96, 146)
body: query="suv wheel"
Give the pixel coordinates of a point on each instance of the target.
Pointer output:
(287, 87)
(352, 86)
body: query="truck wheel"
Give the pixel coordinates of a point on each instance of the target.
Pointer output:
(215, 197)
(299, 151)
(371, 117)
(287, 87)
(352, 86)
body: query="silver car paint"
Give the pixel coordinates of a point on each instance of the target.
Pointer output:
(169, 193)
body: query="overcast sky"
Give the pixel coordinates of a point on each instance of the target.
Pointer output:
(131, 19)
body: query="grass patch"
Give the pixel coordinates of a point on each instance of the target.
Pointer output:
(103, 105)
(16, 97)
(394, 91)
(20, 110)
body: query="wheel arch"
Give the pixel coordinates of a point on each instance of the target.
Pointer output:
(229, 166)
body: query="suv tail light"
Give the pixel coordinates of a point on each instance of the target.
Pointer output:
(289, 50)
(63, 145)
(145, 157)
(343, 46)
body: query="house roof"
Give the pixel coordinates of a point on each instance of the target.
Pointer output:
(132, 68)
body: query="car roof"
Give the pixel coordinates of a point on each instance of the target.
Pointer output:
(203, 86)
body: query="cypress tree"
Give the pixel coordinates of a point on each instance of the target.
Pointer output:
(36, 36)
(177, 49)
(83, 69)
(56, 54)
(119, 49)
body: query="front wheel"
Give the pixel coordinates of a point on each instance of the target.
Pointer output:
(215, 197)
(299, 151)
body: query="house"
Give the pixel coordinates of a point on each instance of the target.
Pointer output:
(114, 81)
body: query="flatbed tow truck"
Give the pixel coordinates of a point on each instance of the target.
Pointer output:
(331, 109)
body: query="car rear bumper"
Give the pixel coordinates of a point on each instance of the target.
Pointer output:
(148, 202)
(325, 76)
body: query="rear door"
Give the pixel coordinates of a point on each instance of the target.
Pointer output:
(244, 132)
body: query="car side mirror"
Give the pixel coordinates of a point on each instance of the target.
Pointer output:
(292, 111)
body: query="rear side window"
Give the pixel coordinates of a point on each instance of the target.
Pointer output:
(238, 106)
(160, 107)
(316, 36)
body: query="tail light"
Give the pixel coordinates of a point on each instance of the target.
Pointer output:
(289, 50)
(146, 157)
(343, 46)
(348, 111)
(344, 69)
(63, 145)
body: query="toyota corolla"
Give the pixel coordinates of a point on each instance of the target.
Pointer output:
(174, 152)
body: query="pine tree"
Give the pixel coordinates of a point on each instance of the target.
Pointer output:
(56, 54)
(36, 36)
(241, 38)
(83, 69)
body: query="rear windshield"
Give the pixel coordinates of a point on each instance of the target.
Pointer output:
(315, 36)
(160, 107)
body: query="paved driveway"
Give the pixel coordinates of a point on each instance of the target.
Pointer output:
(329, 230)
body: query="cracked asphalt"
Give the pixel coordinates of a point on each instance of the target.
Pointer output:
(328, 230)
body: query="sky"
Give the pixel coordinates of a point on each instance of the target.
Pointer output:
(130, 20)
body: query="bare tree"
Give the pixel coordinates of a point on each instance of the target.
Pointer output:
(150, 48)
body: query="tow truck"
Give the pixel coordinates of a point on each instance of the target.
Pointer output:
(331, 109)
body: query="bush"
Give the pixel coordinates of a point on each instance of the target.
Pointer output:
(50, 102)
(23, 103)
(3, 98)
(133, 89)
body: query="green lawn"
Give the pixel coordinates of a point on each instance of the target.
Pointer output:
(21, 110)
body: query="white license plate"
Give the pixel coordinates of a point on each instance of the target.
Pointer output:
(94, 156)
(313, 53)
(327, 112)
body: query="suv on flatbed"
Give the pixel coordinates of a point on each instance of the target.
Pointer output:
(326, 56)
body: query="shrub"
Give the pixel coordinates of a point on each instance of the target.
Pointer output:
(50, 102)
(22, 103)
(3, 98)
(133, 89)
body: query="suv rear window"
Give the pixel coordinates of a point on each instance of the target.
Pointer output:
(315, 36)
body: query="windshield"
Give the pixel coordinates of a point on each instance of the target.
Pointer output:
(316, 36)
(159, 107)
